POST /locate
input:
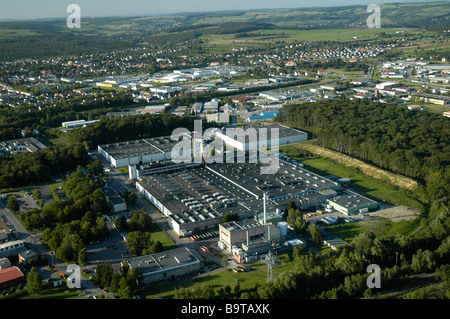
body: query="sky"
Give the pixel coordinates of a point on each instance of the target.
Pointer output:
(39, 9)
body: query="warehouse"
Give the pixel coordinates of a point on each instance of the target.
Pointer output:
(165, 148)
(195, 197)
(139, 151)
(259, 136)
(170, 264)
(350, 203)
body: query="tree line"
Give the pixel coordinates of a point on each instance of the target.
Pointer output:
(30, 168)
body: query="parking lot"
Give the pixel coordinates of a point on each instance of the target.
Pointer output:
(111, 251)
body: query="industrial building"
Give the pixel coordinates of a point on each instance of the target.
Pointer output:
(246, 239)
(351, 203)
(159, 149)
(115, 202)
(169, 264)
(139, 151)
(196, 196)
(78, 123)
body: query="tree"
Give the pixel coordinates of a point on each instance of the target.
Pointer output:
(37, 193)
(232, 216)
(130, 197)
(34, 282)
(115, 282)
(104, 275)
(13, 204)
(423, 261)
(314, 231)
(82, 259)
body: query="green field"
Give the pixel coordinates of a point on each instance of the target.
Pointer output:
(217, 43)
(48, 292)
(377, 225)
(6, 34)
(220, 278)
(164, 239)
(334, 35)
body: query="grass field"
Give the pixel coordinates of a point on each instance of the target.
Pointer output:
(6, 34)
(264, 36)
(379, 226)
(161, 236)
(48, 292)
(334, 35)
(220, 278)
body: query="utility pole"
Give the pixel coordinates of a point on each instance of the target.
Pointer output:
(269, 260)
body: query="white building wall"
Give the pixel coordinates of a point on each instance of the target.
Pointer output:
(153, 200)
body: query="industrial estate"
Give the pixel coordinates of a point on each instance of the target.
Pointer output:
(260, 154)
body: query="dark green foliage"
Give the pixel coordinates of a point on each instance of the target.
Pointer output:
(116, 129)
(29, 168)
(13, 204)
(228, 217)
(34, 282)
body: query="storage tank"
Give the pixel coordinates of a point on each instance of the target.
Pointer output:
(283, 228)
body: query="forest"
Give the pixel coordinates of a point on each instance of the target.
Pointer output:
(117, 129)
(13, 120)
(24, 169)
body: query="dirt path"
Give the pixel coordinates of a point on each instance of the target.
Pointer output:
(413, 281)
(366, 169)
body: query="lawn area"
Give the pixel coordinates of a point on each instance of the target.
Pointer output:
(161, 236)
(346, 231)
(123, 170)
(377, 225)
(222, 278)
(368, 186)
(48, 292)
(52, 187)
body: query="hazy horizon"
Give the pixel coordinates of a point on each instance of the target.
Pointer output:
(52, 9)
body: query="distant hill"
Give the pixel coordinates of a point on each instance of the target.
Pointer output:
(44, 38)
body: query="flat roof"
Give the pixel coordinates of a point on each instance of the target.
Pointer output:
(164, 260)
(112, 195)
(140, 147)
(350, 199)
(289, 179)
(241, 225)
(283, 131)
